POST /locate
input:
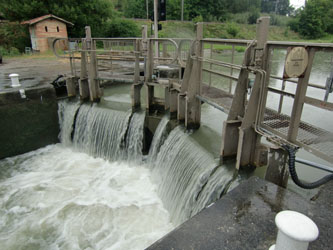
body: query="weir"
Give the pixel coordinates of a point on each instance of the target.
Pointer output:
(144, 148)
(188, 178)
(257, 129)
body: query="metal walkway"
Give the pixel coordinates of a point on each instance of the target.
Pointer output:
(311, 138)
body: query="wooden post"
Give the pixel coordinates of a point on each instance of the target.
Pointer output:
(83, 82)
(193, 104)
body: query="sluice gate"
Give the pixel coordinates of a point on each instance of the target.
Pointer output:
(178, 75)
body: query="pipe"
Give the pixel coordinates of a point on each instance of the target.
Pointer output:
(314, 164)
(294, 176)
(296, 231)
(203, 99)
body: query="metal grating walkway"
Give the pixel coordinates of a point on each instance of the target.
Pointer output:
(313, 139)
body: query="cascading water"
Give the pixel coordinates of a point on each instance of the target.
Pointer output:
(160, 135)
(183, 170)
(100, 132)
(66, 115)
(134, 138)
(94, 191)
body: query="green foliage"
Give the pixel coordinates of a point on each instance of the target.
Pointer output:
(253, 16)
(241, 6)
(122, 28)
(9, 51)
(232, 29)
(137, 8)
(80, 12)
(14, 35)
(197, 19)
(315, 19)
(278, 20)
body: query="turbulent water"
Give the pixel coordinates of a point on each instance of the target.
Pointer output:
(57, 198)
(183, 169)
(95, 191)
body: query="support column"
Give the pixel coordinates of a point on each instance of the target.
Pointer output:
(95, 91)
(298, 104)
(277, 170)
(71, 86)
(173, 103)
(83, 82)
(193, 104)
(136, 96)
(249, 140)
(230, 132)
(181, 108)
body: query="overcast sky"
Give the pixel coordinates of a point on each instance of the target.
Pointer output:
(297, 3)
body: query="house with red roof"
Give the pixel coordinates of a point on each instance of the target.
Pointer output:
(45, 29)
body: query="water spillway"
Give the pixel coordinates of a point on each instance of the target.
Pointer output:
(96, 190)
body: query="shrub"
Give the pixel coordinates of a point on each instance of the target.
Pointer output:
(14, 35)
(9, 52)
(278, 20)
(122, 28)
(197, 19)
(253, 16)
(232, 29)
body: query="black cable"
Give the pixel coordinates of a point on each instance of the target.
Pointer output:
(294, 176)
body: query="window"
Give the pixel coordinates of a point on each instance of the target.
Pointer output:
(46, 28)
(57, 28)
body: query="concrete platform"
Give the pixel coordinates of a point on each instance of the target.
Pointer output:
(244, 219)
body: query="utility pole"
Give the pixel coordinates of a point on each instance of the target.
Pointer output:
(147, 10)
(156, 26)
(182, 16)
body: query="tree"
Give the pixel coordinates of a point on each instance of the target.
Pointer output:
(315, 19)
(80, 12)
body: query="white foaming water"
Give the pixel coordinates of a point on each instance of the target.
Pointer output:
(183, 170)
(59, 198)
(134, 138)
(56, 198)
(66, 114)
(100, 132)
(160, 136)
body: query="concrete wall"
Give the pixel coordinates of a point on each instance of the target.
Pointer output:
(55, 29)
(27, 124)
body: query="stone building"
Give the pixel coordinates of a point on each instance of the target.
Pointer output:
(43, 30)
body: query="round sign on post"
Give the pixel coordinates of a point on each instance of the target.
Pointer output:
(296, 62)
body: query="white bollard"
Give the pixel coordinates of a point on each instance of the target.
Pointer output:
(15, 80)
(296, 231)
